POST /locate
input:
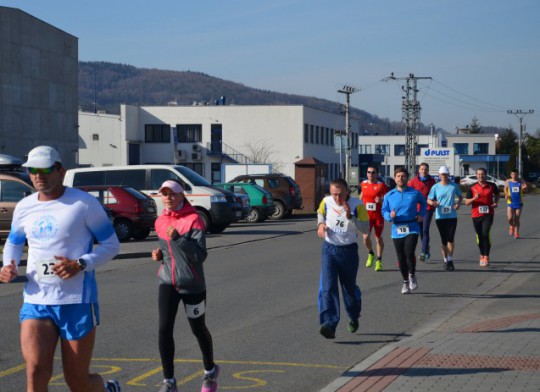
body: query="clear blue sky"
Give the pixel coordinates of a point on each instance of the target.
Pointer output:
(483, 55)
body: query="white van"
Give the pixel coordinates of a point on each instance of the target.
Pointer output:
(217, 207)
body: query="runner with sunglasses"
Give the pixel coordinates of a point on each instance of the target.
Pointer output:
(372, 193)
(60, 225)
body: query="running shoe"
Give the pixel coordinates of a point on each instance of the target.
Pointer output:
(378, 265)
(449, 265)
(483, 261)
(413, 284)
(369, 261)
(113, 386)
(511, 230)
(427, 255)
(210, 381)
(327, 331)
(517, 234)
(486, 261)
(405, 288)
(168, 387)
(422, 256)
(353, 326)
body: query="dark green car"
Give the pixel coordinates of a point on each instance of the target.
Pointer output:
(262, 203)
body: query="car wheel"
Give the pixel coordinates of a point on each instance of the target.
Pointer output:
(216, 229)
(124, 230)
(205, 218)
(141, 234)
(279, 211)
(254, 216)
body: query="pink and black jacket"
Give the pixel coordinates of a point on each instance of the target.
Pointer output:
(184, 254)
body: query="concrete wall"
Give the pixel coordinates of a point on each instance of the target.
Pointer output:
(39, 86)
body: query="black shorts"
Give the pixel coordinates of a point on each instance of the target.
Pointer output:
(447, 229)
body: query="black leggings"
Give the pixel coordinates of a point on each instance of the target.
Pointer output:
(482, 226)
(168, 302)
(405, 252)
(447, 229)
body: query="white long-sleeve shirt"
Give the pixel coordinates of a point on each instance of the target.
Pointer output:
(64, 227)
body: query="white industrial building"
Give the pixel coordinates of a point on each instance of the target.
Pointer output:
(205, 137)
(469, 151)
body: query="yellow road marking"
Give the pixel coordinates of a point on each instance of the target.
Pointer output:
(258, 381)
(12, 370)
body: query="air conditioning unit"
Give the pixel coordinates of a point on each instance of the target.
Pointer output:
(196, 156)
(196, 148)
(181, 155)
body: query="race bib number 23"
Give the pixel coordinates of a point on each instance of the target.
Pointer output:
(44, 272)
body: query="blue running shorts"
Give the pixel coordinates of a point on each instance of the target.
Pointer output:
(74, 321)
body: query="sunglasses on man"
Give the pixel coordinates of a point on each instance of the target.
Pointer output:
(38, 170)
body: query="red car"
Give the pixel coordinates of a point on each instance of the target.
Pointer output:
(134, 213)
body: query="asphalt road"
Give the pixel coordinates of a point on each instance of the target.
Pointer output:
(262, 307)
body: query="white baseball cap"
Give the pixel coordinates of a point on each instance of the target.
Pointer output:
(173, 186)
(444, 170)
(42, 157)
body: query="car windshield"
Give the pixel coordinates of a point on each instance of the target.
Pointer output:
(193, 177)
(135, 193)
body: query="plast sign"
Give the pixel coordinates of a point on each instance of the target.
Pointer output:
(437, 157)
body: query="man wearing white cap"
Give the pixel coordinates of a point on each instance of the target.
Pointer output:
(181, 252)
(60, 296)
(442, 196)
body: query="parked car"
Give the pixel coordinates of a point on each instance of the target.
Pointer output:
(285, 192)
(471, 179)
(134, 212)
(261, 200)
(12, 190)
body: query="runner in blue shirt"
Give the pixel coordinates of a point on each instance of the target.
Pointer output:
(400, 207)
(513, 190)
(443, 197)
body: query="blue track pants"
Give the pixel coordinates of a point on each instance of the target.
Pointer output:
(339, 262)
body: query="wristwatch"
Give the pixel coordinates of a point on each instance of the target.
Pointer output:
(82, 264)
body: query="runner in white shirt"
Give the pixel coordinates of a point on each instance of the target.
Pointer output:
(60, 296)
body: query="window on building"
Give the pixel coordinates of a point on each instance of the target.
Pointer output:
(399, 149)
(306, 133)
(480, 148)
(364, 149)
(332, 141)
(317, 135)
(312, 134)
(382, 149)
(157, 133)
(189, 133)
(461, 148)
(444, 143)
(419, 147)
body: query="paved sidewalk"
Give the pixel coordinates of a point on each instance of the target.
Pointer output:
(489, 342)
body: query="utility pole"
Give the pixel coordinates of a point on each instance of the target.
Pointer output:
(347, 90)
(520, 114)
(410, 108)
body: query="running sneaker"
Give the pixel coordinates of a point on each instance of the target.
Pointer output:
(353, 326)
(427, 255)
(168, 387)
(511, 230)
(517, 234)
(210, 381)
(449, 265)
(327, 331)
(422, 256)
(113, 386)
(369, 261)
(483, 262)
(486, 261)
(378, 265)
(413, 284)
(405, 288)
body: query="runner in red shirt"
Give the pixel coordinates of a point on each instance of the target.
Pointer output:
(423, 183)
(483, 196)
(372, 192)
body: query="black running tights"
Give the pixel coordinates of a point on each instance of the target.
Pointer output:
(482, 226)
(405, 252)
(168, 302)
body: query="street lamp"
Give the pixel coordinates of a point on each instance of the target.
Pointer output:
(347, 90)
(520, 114)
